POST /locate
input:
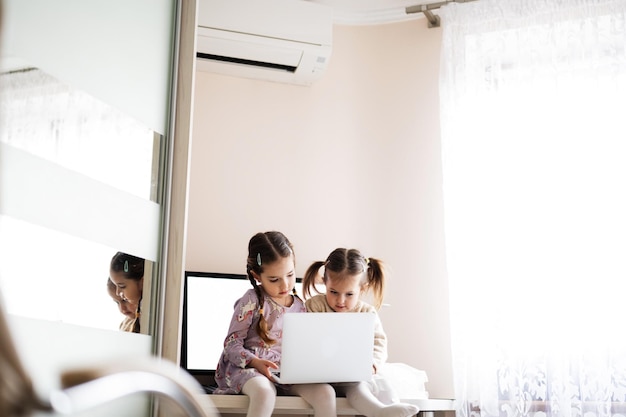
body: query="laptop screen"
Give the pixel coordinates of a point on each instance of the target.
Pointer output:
(208, 302)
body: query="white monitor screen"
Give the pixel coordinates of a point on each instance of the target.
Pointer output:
(207, 311)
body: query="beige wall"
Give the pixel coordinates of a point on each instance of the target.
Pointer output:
(352, 161)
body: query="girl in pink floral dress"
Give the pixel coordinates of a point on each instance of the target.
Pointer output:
(253, 344)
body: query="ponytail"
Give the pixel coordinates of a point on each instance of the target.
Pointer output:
(136, 324)
(310, 277)
(262, 327)
(376, 280)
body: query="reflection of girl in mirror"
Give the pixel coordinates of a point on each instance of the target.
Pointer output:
(347, 275)
(126, 272)
(128, 309)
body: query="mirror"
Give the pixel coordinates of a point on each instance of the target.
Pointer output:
(82, 144)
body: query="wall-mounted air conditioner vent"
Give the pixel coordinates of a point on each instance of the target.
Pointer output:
(286, 41)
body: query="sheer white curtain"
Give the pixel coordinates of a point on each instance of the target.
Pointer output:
(533, 106)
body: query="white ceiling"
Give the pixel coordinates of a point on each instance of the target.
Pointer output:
(365, 12)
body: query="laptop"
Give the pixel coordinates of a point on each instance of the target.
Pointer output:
(326, 347)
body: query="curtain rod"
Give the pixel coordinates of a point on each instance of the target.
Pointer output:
(433, 20)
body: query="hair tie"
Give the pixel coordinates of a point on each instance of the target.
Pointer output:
(258, 258)
(260, 311)
(367, 261)
(126, 266)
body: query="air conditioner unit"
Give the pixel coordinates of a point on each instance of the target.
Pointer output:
(287, 41)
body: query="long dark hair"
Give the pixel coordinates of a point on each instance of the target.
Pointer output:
(264, 249)
(131, 267)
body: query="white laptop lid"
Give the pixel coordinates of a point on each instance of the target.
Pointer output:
(327, 347)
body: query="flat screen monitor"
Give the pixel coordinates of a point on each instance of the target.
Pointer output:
(208, 302)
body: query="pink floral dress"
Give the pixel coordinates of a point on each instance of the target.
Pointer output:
(243, 343)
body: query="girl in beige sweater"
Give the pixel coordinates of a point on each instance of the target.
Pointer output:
(347, 274)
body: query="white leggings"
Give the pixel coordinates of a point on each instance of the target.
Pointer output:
(262, 394)
(362, 399)
(321, 397)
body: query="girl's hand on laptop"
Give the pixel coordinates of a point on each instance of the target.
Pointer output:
(263, 366)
